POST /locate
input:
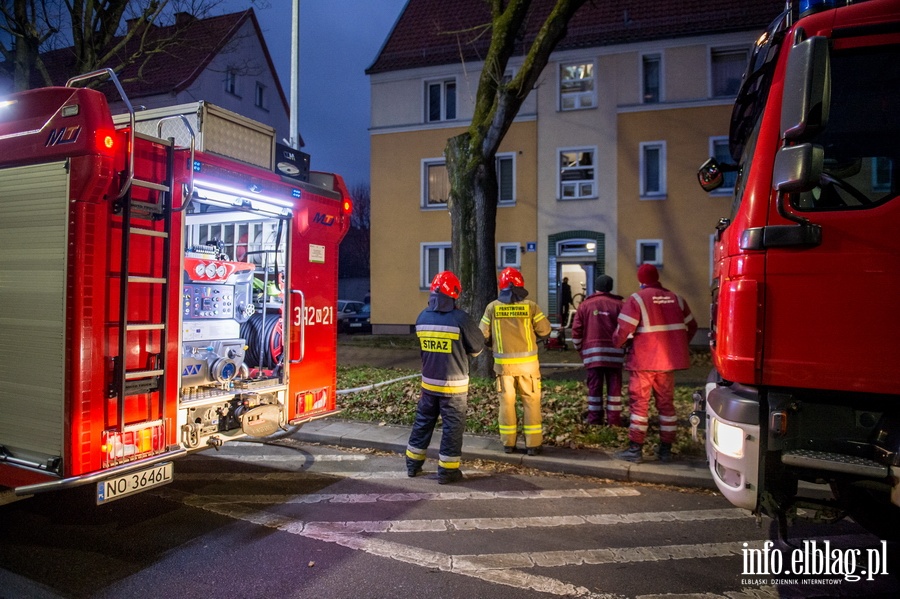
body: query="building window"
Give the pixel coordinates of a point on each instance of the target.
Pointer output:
(440, 100)
(231, 82)
(650, 75)
(649, 251)
(509, 254)
(577, 176)
(718, 149)
(577, 248)
(576, 86)
(260, 97)
(435, 184)
(726, 70)
(506, 179)
(653, 169)
(436, 257)
(882, 167)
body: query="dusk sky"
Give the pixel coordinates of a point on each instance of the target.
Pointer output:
(339, 40)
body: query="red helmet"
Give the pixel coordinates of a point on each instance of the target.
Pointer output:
(510, 277)
(447, 283)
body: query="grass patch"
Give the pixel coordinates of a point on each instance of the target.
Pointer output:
(563, 405)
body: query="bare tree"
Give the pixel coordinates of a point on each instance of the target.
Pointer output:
(101, 33)
(471, 155)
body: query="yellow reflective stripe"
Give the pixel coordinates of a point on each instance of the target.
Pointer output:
(531, 428)
(438, 334)
(445, 388)
(498, 338)
(448, 465)
(523, 360)
(413, 455)
(506, 429)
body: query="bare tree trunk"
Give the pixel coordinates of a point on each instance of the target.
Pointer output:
(473, 218)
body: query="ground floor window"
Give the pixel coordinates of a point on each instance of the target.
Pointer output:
(435, 257)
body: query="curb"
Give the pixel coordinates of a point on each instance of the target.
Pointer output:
(583, 462)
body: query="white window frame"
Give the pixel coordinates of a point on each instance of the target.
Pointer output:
(724, 190)
(641, 243)
(259, 98)
(425, 277)
(579, 183)
(724, 50)
(442, 83)
(231, 82)
(643, 80)
(504, 156)
(427, 163)
(653, 194)
(501, 262)
(581, 99)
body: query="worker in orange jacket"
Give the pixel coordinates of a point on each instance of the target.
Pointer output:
(513, 325)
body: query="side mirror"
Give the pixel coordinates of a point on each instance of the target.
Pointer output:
(807, 89)
(798, 168)
(710, 175)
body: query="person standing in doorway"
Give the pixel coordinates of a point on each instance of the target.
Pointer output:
(512, 325)
(447, 336)
(565, 301)
(592, 335)
(661, 325)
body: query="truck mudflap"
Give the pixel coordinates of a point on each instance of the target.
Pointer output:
(95, 477)
(733, 442)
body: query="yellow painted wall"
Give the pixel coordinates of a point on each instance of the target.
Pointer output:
(400, 226)
(687, 217)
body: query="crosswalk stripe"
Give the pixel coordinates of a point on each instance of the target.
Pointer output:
(407, 496)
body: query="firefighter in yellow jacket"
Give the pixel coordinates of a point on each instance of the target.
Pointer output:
(513, 325)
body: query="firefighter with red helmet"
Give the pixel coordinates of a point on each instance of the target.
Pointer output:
(661, 325)
(513, 325)
(592, 335)
(447, 337)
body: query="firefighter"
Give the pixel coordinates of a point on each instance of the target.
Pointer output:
(592, 335)
(512, 326)
(661, 325)
(447, 336)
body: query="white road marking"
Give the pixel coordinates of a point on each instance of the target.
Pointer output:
(300, 459)
(397, 497)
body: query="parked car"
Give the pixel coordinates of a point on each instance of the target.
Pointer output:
(346, 309)
(361, 322)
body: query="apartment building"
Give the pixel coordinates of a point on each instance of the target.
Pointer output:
(598, 172)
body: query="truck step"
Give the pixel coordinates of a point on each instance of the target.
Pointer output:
(149, 233)
(834, 462)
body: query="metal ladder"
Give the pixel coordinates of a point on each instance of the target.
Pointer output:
(135, 216)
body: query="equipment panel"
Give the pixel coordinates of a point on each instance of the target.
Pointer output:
(201, 302)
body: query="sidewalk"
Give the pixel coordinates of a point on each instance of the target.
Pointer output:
(585, 462)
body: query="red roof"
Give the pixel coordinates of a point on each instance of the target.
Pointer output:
(174, 68)
(436, 32)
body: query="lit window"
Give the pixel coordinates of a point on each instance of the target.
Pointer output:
(653, 169)
(506, 179)
(435, 258)
(440, 101)
(577, 176)
(649, 251)
(727, 69)
(651, 78)
(576, 86)
(509, 254)
(435, 184)
(577, 248)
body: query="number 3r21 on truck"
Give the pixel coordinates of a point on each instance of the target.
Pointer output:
(805, 322)
(168, 283)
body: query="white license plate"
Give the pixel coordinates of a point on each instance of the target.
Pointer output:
(134, 482)
(355, 324)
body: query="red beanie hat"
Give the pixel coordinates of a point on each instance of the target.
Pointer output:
(647, 274)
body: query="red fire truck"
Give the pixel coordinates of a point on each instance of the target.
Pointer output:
(160, 299)
(805, 320)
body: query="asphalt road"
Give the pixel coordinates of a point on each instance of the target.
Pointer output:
(289, 519)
